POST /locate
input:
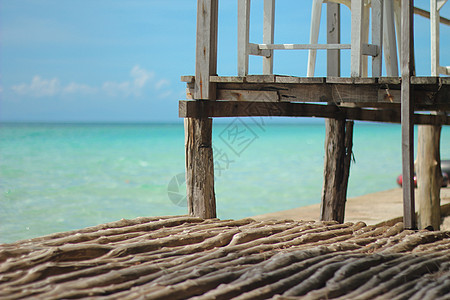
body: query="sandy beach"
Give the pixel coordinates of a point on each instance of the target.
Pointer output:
(372, 209)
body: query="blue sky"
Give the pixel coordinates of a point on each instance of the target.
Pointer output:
(121, 61)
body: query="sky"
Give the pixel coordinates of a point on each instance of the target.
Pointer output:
(121, 61)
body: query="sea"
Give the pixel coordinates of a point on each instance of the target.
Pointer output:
(59, 177)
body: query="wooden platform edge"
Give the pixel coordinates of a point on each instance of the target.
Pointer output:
(203, 109)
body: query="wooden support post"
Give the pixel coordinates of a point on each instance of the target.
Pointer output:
(243, 36)
(434, 30)
(365, 38)
(429, 177)
(377, 36)
(314, 35)
(338, 137)
(389, 42)
(356, 38)
(407, 105)
(268, 34)
(333, 37)
(206, 49)
(338, 152)
(198, 137)
(199, 168)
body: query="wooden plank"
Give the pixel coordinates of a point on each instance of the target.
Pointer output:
(268, 33)
(333, 37)
(356, 38)
(351, 80)
(302, 80)
(377, 36)
(217, 109)
(253, 49)
(243, 36)
(429, 176)
(425, 80)
(246, 95)
(316, 11)
(260, 78)
(389, 41)
(206, 48)
(433, 96)
(305, 46)
(409, 216)
(434, 26)
(227, 79)
(390, 80)
(200, 167)
(426, 14)
(365, 40)
(187, 79)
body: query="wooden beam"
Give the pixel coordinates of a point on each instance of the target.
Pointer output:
(407, 106)
(217, 109)
(430, 93)
(206, 48)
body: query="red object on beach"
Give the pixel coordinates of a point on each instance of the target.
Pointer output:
(400, 180)
(445, 180)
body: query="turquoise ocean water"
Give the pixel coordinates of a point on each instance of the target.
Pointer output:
(58, 177)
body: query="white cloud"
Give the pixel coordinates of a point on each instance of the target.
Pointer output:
(162, 83)
(73, 88)
(139, 80)
(38, 87)
(141, 76)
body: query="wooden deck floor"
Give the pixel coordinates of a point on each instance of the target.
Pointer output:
(184, 257)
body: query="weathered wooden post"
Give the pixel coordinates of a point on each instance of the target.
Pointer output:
(407, 110)
(429, 175)
(338, 136)
(198, 131)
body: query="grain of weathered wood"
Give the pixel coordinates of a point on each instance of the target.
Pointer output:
(200, 168)
(429, 178)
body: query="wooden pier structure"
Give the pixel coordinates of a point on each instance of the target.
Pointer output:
(404, 99)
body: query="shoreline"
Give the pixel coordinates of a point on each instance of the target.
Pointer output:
(376, 208)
